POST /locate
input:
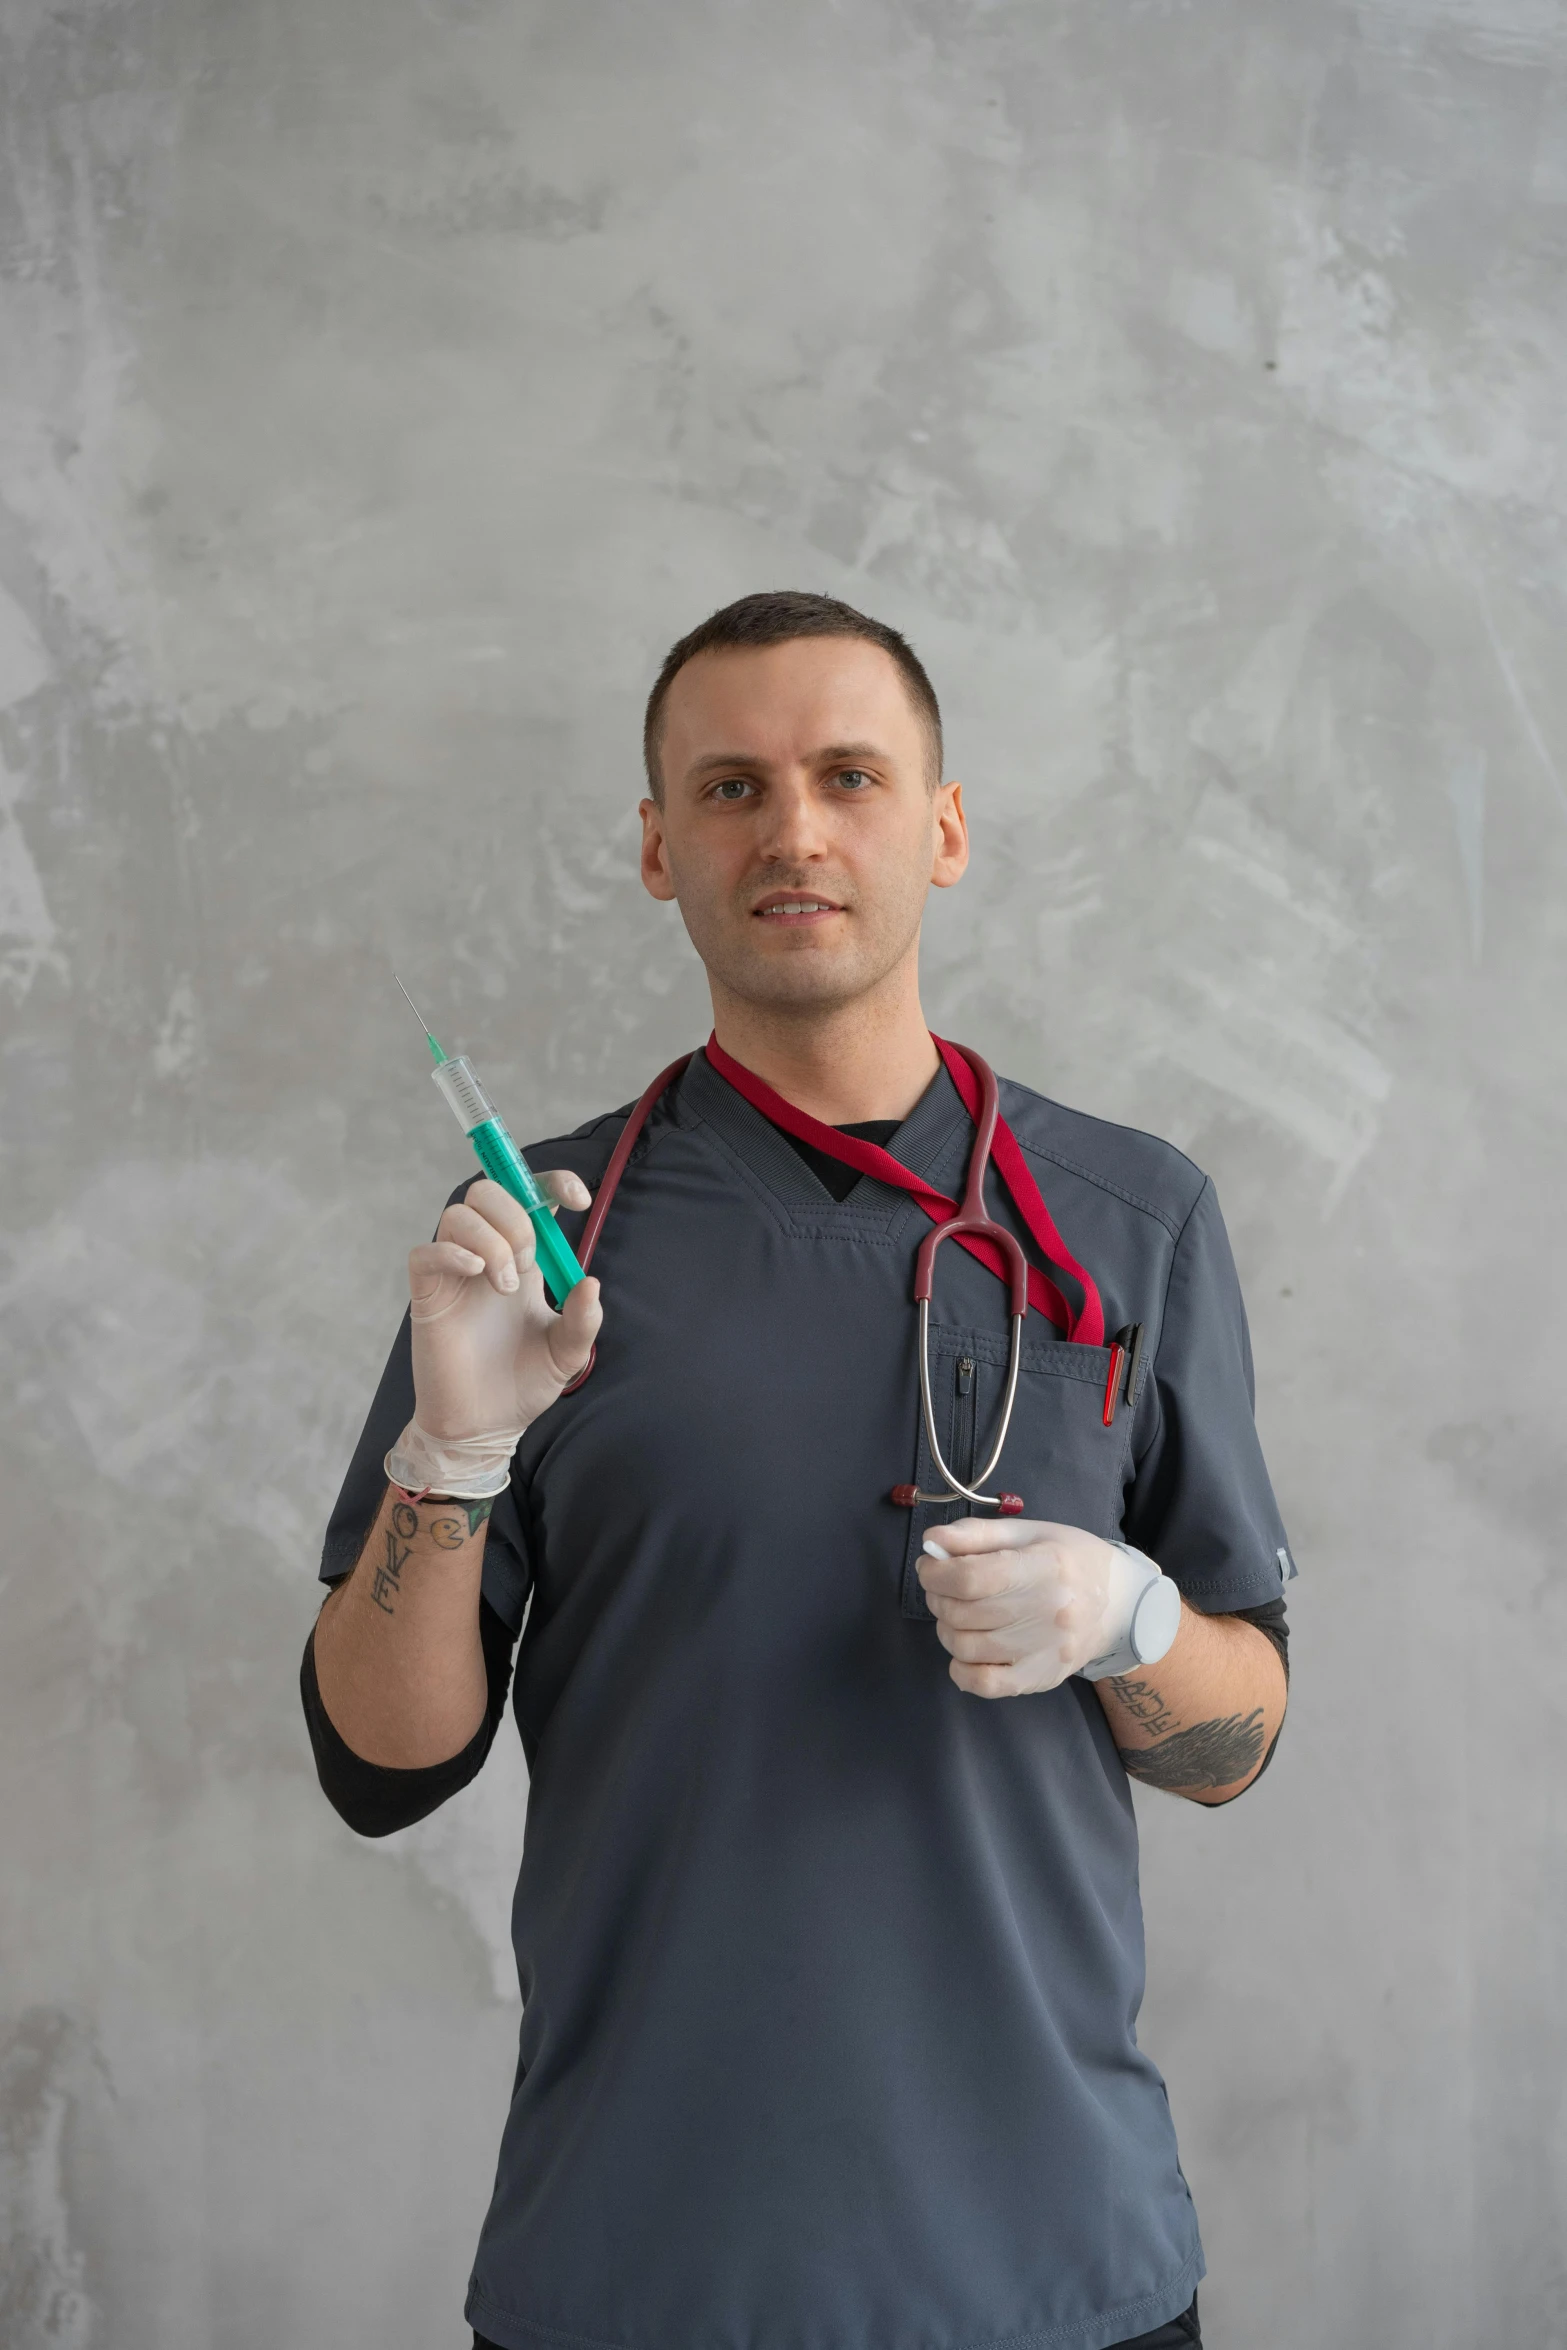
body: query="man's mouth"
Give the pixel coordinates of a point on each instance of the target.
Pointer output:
(785, 909)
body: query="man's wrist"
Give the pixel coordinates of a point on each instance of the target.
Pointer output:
(1144, 1617)
(464, 1468)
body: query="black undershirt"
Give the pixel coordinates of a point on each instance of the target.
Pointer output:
(838, 1177)
(377, 1800)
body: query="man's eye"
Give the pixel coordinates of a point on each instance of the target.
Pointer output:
(732, 787)
(852, 778)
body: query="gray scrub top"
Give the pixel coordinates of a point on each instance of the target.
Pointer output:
(830, 1972)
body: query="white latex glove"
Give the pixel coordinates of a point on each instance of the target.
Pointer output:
(489, 1351)
(1021, 1604)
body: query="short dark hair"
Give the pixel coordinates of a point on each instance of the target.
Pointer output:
(777, 618)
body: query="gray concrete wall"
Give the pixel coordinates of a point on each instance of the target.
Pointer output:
(383, 383)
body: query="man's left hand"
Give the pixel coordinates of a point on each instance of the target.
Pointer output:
(1020, 1604)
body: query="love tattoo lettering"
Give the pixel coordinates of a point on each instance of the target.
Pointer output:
(386, 1580)
(449, 1524)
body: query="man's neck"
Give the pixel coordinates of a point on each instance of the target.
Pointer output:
(846, 1065)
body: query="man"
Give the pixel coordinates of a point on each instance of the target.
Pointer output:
(827, 1928)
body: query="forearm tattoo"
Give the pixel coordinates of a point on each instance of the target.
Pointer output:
(1142, 1700)
(1211, 1754)
(453, 1523)
(386, 1581)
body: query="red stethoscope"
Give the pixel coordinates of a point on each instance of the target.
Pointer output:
(969, 1223)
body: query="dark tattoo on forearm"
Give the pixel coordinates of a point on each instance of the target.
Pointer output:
(1143, 1702)
(448, 1532)
(385, 1583)
(1213, 1754)
(457, 1522)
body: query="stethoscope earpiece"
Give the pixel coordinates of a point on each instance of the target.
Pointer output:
(909, 1497)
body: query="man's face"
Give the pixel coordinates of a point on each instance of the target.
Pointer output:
(799, 831)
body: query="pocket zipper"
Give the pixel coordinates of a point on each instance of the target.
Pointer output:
(964, 1406)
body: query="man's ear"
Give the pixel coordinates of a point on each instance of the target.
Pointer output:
(950, 862)
(657, 879)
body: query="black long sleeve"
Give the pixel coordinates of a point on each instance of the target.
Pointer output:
(376, 1799)
(1270, 1622)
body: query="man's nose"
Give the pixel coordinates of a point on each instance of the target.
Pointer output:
(795, 832)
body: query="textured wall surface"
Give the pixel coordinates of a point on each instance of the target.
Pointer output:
(383, 384)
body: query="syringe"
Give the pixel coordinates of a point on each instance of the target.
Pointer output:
(502, 1161)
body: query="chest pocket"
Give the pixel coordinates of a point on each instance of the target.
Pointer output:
(1062, 1459)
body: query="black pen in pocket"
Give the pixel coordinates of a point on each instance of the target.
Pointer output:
(1126, 1354)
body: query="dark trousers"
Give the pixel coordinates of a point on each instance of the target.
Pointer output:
(1180, 2334)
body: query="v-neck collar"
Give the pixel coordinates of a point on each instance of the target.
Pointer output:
(931, 1136)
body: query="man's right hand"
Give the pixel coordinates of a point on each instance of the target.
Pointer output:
(398, 1657)
(489, 1350)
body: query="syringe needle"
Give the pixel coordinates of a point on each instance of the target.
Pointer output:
(419, 1016)
(412, 1006)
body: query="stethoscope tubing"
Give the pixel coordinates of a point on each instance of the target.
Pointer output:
(957, 1489)
(973, 1218)
(609, 1182)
